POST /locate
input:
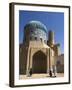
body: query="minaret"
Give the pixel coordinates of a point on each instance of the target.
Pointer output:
(50, 38)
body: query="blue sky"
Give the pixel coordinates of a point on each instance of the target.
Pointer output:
(53, 20)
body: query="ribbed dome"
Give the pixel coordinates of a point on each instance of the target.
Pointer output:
(36, 25)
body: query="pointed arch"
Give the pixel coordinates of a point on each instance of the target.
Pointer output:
(39, 64)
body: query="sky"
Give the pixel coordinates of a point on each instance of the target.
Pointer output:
(52, 20)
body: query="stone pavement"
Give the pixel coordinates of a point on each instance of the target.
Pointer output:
(40, 76)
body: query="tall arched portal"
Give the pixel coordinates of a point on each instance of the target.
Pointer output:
(39, 64)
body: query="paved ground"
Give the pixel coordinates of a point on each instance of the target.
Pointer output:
(39, 76)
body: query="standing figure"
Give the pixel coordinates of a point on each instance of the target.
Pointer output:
(54, 71)
(50, 73)
(30, 72)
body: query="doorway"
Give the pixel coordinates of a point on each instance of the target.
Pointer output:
(39, 64)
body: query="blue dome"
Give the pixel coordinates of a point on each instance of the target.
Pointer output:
(36, 31)
(36, 25)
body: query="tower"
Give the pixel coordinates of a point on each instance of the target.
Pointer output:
(51, 38)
